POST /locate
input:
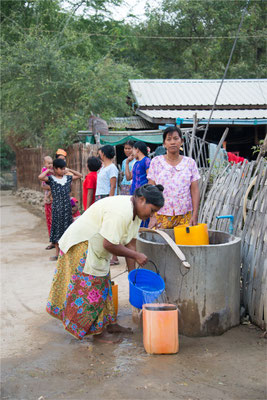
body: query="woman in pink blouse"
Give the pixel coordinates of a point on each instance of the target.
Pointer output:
(179, 176)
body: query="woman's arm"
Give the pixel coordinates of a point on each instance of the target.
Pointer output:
(130, 262)
(76, 174)
(43, 176)
(125, 251)
(113, 182)
(194, 189)
(128, 173)
(45, 187)
(147, 164)
(90, 194)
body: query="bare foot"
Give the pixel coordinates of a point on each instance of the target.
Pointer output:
(105, 337)
(54, 258)
(116, 328)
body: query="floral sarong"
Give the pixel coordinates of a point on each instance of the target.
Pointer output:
(169, 222)
(81, 301)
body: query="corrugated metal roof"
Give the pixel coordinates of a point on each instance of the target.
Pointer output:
(157, 116)
(129, 123)
(199, 92)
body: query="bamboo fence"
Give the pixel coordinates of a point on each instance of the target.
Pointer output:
(227, 196)
(30, 162)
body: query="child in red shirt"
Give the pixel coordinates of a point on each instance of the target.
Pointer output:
(89, 184)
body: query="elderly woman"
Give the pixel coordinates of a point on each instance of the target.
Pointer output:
(81, 295)
(179, 176)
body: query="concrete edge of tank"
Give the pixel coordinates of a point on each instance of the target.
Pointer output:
(234, 239)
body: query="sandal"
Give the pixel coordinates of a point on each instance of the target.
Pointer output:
(114, 263)
(50, 247)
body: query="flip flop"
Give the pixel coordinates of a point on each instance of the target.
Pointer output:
(114, 263)
(50, 247)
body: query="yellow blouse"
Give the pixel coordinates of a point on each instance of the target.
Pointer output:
(110, 218)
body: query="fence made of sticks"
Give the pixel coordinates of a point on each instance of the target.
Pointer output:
(30, 162)
(241, 191)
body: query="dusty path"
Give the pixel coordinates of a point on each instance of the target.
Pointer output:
(40, 359)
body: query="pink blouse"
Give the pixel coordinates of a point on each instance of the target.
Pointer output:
(176, 181)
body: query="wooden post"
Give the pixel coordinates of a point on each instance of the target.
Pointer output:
(225, 133)
(256, 137)
(193, 135)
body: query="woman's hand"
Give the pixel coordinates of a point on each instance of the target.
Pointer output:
(130, 158)
(193, 220)
(141, 259)
(153, 223)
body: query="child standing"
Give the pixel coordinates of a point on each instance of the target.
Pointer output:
(125, 184)
(48, 165)
(89, 184)
(108, 175)
(75, 208)
(60, 185)
(107, 180)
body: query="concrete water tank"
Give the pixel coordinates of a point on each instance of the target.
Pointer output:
(207, 294)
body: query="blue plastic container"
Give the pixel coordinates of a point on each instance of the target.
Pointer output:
(143, 284)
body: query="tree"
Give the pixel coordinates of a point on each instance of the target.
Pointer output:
(52, 81)
(207, 30)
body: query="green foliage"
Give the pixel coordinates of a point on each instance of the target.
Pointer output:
(58, 67)
(207, 30)
(7, 155)
(51, 84)
(256, 149)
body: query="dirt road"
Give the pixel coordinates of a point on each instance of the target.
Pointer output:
(42, 361)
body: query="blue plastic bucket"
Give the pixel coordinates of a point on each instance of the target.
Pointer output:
(144, 283)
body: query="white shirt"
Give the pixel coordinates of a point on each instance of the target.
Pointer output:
(103, 179)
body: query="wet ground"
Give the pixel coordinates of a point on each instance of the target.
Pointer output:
(42, 361)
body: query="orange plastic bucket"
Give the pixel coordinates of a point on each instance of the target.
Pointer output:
(160, 328)
(115, 296)
(196, 235)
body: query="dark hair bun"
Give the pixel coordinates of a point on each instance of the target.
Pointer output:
(160, 187)
(152, 194)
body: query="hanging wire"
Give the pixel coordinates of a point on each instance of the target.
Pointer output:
(111, 35)
(224, 75)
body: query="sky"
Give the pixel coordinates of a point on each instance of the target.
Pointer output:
(135, 7)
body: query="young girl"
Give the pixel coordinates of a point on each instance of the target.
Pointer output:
(140, 169)
(107, 180)
(126, 184)
(60, 185)
(89, 184)
(48, 164)
(75, 208)
(108, 175)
